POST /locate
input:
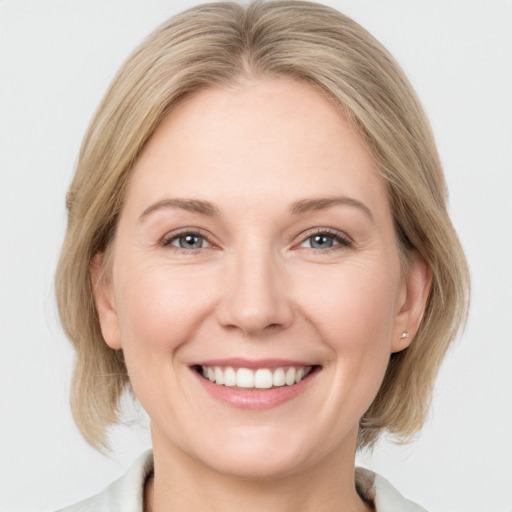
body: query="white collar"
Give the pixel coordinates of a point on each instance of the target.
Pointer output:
(126, 494)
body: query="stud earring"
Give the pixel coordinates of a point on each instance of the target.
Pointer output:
(404, 335)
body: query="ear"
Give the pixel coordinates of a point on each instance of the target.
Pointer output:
(105, 305)
(413, 299)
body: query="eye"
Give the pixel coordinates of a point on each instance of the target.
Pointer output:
(324, 240)
(188, 241)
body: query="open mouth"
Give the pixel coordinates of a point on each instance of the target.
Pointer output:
(260, 378)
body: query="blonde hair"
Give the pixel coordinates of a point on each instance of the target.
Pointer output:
(219, 44)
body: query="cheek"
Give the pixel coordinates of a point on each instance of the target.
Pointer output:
(159, 307)
(353, 306)
(159, 310)
(354, 312)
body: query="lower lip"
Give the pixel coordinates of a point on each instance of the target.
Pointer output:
(255, 399)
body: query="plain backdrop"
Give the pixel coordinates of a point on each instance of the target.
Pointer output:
(56, 60)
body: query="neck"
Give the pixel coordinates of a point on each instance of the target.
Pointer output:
(183, 484)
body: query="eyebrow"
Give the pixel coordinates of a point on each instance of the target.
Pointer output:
(191, 205)
(322, 203)
(298, 207)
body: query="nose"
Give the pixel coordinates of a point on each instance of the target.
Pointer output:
(254, 298)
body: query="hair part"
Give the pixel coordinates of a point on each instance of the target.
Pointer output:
(223, 44)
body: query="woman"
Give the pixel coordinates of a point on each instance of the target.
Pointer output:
(258, 248)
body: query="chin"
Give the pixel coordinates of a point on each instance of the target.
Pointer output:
(261, 454)
(257, 465)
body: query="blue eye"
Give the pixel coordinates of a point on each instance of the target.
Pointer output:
(323, 241)
(188, 241)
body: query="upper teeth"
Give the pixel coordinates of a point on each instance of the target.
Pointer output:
(262, 378)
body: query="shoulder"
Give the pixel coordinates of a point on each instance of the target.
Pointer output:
(124, 495)
(376, 489)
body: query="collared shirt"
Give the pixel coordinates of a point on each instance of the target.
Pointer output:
(127, 493)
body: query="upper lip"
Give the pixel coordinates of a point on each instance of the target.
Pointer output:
(238, 362)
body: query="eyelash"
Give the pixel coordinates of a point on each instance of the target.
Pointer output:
(342, 240)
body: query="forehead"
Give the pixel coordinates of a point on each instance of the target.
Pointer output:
(267, 139)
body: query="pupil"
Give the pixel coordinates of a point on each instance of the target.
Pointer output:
(322, 241)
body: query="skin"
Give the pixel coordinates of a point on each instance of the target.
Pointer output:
(257, 289)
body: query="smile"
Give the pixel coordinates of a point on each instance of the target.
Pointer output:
(260, 378)
(255, 385)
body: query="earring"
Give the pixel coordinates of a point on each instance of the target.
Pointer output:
(404, 335)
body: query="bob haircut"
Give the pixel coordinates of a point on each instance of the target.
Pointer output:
(221, 44)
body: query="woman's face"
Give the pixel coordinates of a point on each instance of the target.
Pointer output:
(256, 247)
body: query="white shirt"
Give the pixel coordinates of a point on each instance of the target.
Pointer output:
(126, 494)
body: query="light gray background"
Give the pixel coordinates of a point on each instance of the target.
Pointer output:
(56, 59)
